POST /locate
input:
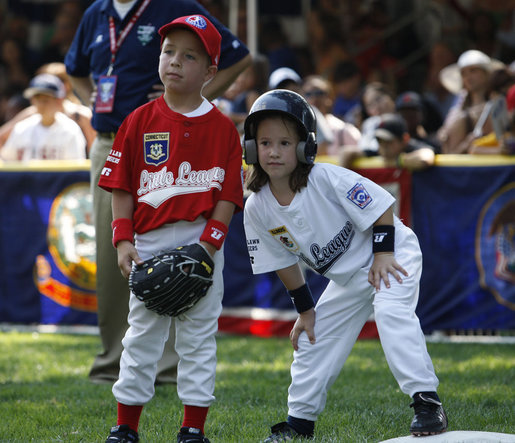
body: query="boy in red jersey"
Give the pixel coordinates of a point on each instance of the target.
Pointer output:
(175, 175)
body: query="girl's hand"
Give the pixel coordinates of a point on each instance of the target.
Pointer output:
(126, 255)
(384, 264)
(305, 322)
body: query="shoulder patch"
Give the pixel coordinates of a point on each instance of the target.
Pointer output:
(156, 147)
(282, 235)
(359, 196)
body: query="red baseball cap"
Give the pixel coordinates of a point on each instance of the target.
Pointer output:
(201, 26)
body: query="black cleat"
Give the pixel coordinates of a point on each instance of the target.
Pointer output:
(284, 432)
(191, 435)
(430, 418)
(122, 434)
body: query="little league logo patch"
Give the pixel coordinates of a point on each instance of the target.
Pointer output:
(156, 146)
(359, 196)
(197, 21)
(282, 235)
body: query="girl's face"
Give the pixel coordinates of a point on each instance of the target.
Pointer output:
(277, 141)
(184, 64)
(475, 78)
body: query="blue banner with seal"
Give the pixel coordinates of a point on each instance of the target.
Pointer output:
(48, 247)
(464, 217)
(462, 211)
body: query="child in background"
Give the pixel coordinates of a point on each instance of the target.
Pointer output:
(175, 175)
(48, 134)
(342, 226)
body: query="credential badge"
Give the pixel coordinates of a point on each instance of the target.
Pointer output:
(157, 146)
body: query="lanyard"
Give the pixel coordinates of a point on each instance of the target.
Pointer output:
(115, 44)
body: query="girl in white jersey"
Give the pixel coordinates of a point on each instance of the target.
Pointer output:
(342, 226)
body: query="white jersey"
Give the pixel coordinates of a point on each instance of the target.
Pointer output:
(328, 224)
(30, 140)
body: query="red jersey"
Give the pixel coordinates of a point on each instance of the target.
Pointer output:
(175, 167)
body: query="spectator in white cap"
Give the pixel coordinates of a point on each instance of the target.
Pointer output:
(48, 134)
(287, 78)
(469, 80)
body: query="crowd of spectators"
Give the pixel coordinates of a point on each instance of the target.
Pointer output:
(444, 65)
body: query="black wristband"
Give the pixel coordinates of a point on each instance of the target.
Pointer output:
(383, 238)
(302, 298)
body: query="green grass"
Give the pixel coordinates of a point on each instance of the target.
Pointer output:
(45, 395)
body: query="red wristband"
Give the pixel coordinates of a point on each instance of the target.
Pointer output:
(122, 230)
(214, 233)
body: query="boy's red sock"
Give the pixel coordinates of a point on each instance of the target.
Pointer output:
(194, 417)
(129, 415)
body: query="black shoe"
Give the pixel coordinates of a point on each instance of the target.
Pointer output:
(122, 434)
(430, 418)
(191, 435)
(284, 432)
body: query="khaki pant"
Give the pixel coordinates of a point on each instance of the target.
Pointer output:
(112, 287)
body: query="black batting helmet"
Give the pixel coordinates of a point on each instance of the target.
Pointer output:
(281, 101)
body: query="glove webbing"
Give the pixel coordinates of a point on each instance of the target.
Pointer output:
(175, 306)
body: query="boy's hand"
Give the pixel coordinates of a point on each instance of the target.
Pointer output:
(208, 247)
(126, 255)
(305, 322)
(384, 264)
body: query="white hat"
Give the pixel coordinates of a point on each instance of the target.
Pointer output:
(450, 76)
(282, 74)
(46, 84)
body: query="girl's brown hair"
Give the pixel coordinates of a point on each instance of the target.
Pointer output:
(256, 177)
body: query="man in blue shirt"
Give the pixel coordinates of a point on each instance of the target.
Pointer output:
(113, 61)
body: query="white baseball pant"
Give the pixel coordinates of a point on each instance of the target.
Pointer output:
(341, 313)
(195, 330)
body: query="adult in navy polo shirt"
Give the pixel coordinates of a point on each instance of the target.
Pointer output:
(129, 66)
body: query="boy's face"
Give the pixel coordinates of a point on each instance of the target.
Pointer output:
(390, 149)
(184, 65)
(45, 104)
(277, 141)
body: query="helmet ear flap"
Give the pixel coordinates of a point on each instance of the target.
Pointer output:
(307, 150)
(250, 151)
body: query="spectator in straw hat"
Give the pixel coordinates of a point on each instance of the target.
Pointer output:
(469, 80)
(496, 121)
